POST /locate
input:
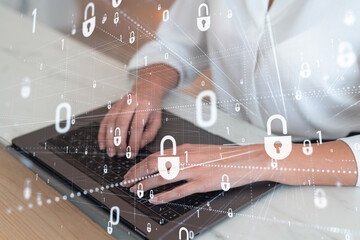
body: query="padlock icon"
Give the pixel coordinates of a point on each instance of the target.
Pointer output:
(116, 18)
(86, 151)
(349, 18)
(105, 169)
(320, 199)
(89, 24)
(94, 84)
(183, 229)
(166, 15)
(116, 3)
(203, 22)
(109, 105)
(174, 160)
(26, 87)
(132, 37)
(274, 163)
(298, 95)
(307, 150)
(38, 199)
(230, 213)
(225, 183)
(229, 15)
(282, 151)
(151, 194)
(346, 56)
(148, 227)
(27, 189)
(128, 152)
(140, 190)
(73, 30)
(73, 119)
(305, 71)
(129, 99)
(237, 107)
(109, 228)
(117, 137)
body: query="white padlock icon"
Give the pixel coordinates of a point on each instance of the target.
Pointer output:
(109, 228)
(140, 190)
(27, 189)
(229, 15)
(320, 199)
(307, 150)
(73, 119)
(105, 169)
(203, 22)
(132, 37)
(274, 163)
(298, 95)
(116, 18)
(89, 24)
(116, 3)
(174, 160)
(151, 194)
(282, 151)
(128, 152)
(26, 87)
(186, 232)
(148, 227)
(109, 105)
(346, 56)
(166, 15)
(94, 84)
(237, 107)
(305, 71)
(117, 137)
(225, 183)
(129, 99)
(230, 212)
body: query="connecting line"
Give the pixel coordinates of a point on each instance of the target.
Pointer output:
(275, 60)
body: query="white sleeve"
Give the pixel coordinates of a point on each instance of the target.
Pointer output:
(354, 144)
(179, 44)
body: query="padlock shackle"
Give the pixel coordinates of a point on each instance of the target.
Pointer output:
(172, 139)
(206, 9)
(273, 117)
(225, 176)
(307, 141)
(128, 148)
(132, 34)
(186, 231)
(119, 131)
(140, 186)
(92, 5)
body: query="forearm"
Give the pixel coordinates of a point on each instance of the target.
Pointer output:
(331, 163)
(156, 80)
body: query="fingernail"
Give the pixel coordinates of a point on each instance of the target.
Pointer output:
(101, 146)
(111, 152)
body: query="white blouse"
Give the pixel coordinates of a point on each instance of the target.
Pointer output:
(299, 60)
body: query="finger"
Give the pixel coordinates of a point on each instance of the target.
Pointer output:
(102, 135)
(153, 126)
(123, 122)
(137, 128)
(178, 192)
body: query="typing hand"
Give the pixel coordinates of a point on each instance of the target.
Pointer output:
(144, 115)
(204, 171)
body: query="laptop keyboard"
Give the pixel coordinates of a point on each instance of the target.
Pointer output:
(80, 148)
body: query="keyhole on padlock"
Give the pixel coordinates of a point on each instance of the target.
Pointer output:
(168, 166)
(88, 26)
(277, 146)
(203, 23)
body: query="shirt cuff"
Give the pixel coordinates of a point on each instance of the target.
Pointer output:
(354, 144)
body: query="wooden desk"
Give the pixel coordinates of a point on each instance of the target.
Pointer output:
(57, 220)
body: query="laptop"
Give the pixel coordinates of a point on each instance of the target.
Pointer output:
(75, 157)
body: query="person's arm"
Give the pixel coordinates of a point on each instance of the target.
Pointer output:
(331, 163)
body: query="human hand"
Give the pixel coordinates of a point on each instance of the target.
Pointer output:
(204, 170)
(144, 115)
